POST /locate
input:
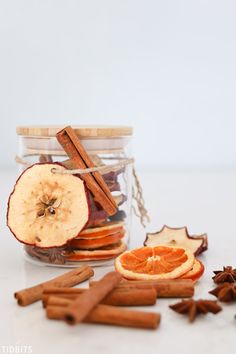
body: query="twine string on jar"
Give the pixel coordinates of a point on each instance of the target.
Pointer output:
(103, 168)
(137, 192)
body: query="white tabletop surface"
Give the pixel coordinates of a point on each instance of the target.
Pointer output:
(205, 202)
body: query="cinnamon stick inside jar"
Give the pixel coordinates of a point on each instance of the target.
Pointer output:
(80, 159)
(130, 297)
(111, 315)
(28, 296)
(166, 288)
(85, 303)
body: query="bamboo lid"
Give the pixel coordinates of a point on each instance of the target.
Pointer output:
(81, 131)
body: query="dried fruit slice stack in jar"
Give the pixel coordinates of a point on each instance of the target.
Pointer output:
(102, 242)
(65, 217)
(103, 236)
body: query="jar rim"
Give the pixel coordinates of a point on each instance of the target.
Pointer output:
(83, 131)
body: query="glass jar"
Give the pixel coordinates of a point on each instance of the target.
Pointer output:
(106, 145)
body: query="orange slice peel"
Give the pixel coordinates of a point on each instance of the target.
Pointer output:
(195, 272)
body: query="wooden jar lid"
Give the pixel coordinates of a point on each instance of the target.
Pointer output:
(81, 131)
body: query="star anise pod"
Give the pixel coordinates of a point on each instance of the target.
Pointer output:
(225, 292)
(196, 307)
(56, 257)
(48, 255)
(227, 275)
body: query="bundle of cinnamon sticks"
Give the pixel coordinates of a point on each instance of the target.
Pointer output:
(102, 302)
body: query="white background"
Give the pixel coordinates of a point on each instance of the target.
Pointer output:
(166, 67)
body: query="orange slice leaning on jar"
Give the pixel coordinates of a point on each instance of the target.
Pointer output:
(152, 263)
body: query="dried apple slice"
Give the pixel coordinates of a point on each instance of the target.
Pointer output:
(47, 209)
(177, 237)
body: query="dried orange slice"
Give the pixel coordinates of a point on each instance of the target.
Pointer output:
(196, 272)
(107, 252)
(101, 231)
(161, 262)
(94, 243)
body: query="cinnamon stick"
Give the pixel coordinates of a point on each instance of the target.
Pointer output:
(165, 288)
(111, 315)
(134, 297)
(80, 159)
(85, 303)
(58, 301)
(53, 290)
(130, 297)
(28, 296)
